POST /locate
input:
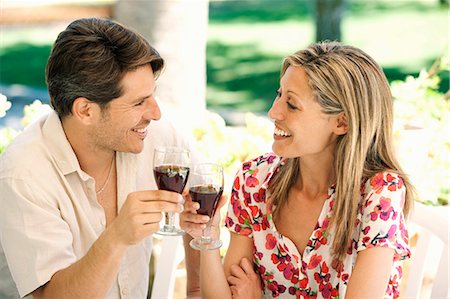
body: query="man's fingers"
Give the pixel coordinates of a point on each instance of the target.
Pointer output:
(233, 281)
(237, 271)
(247, 266)
(159, 206)
(158, 195)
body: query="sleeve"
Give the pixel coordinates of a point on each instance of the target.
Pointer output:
(36, 241)
(382, 220)
(238, 219)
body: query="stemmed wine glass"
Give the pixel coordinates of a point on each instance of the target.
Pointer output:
(206, 188)
(171, 170)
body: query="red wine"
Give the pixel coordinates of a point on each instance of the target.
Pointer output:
(207, 196)
(171, 177)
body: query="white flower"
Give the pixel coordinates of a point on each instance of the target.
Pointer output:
(4, 105)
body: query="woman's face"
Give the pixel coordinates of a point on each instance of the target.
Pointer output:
(301, 128)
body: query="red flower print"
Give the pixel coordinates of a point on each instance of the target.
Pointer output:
(260, 196)
(303, 283)
(245, 231)
(288, 272)
(270, 159)
(254, 210)
(325, 268)
(237, 184)
(377, 182)
(366, 230)
(337, 265)
(394, 184)
(265, 222)
(383, 209)
(366, 240)
(314, 261)
(229, 222)
(251, 182)
(271, 241)
(274, 258)
(392, 232)
(243, 216)
(345, 278)
(247, 197)
(325, 289)
(259, 256)
(325, 223)
(256, 227)
(276, 288)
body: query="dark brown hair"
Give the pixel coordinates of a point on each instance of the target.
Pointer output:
(89, 59)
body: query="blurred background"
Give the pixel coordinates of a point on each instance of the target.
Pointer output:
(223, 60)
(238, 44)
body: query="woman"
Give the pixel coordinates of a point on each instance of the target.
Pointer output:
(324, 215)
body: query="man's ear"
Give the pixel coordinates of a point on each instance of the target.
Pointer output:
(83, 110)
(341, 125)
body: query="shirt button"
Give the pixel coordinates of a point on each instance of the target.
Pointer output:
(124, 291)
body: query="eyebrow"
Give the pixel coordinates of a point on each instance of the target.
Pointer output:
(297, 96)
(140, 99)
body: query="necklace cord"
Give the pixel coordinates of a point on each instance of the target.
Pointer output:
(107, 178)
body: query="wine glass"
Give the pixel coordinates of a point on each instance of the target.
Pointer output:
(206, 188)
(171, 170)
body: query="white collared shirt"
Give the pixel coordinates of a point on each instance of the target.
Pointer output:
(49, 214)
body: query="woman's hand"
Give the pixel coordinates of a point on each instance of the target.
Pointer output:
(191, 222)
(244, 282)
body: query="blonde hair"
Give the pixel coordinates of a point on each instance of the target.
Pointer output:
(345, 79)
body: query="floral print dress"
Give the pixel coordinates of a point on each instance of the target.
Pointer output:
(284, 272)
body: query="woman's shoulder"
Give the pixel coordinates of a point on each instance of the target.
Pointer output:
(385, 188)
(387, 180)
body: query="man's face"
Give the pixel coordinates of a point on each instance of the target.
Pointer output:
(123, 124)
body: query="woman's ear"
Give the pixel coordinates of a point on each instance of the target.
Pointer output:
(82, 109)
(341, 125)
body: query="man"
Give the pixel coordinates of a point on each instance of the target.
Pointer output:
(72, 223)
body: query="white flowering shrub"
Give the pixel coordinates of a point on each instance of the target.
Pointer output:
(31, 112)
(422, 129)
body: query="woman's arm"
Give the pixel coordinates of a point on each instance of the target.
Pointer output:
(213, 276)
(370, 277)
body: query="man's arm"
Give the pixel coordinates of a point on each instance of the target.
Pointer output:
(92, 276)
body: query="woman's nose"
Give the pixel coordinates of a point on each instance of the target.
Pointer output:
(276, 111)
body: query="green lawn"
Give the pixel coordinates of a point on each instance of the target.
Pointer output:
(248, 39)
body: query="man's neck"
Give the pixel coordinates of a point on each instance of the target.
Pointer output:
(92, 158)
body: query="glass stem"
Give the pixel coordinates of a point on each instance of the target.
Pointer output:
(170, 219)
(206, 234)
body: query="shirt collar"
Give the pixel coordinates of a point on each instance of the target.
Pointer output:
(273, 169)
(59, 146)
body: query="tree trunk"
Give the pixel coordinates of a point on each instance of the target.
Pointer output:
(328, 19)
(178, 30)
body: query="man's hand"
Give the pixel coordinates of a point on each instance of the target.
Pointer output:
(141, 214)
(244, 282)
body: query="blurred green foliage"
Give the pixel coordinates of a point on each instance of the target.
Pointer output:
(247, 41)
